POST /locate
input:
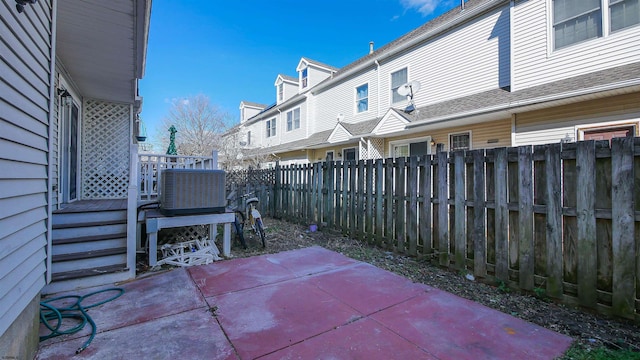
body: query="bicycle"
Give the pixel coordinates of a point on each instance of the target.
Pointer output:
(250, 214)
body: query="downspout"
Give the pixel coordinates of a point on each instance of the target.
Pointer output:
(52, 93)
(378, 89)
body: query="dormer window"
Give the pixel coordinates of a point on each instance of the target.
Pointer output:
(304, 77)
(280, 91)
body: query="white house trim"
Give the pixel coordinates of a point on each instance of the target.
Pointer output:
(339, 134)
(390, 123)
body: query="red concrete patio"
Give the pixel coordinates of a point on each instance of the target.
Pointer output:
(310, 303)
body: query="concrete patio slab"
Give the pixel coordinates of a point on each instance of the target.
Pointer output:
(192, 334)
(143, 300)
(238, 274)
(450, 327)
(304, 304)
(361, 339)
(367, 288)
(261, 320)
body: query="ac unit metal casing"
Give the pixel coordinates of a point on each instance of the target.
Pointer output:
(192, 191)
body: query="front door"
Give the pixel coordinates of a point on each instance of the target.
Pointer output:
(69, 153)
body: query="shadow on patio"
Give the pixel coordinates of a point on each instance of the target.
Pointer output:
(310, 303)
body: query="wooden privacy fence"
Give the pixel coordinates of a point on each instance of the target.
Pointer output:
(563, 218)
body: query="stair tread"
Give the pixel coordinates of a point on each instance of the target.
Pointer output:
(82, 239)
(88, 224)
(76, 274)
(88, 254)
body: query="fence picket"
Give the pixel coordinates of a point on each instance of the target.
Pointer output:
(460, 233)
(624, 248)
(586, 222)
(479, 226)
(525, 217)
(554, 221)
(501, 215)
(443, 209)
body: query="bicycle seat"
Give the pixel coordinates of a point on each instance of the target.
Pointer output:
(251, 200)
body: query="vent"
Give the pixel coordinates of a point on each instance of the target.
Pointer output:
(187, 191)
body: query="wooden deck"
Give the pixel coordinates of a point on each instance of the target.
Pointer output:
(93, 205)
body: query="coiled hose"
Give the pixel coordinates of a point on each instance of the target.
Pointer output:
(50, 314)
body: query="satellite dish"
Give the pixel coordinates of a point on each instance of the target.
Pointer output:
(409, 89)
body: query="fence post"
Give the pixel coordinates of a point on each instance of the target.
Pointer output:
(276, 190)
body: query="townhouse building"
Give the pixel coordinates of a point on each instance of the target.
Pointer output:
(490, 73)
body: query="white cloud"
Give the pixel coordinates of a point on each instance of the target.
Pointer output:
(424, 7)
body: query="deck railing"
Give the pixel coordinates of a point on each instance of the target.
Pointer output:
(150, 167)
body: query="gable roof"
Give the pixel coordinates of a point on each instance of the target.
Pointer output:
(252, 104)
(315, 63)
(339, 134)
(286, 78)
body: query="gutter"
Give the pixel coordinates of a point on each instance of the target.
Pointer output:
(464, 15)
(521, 103)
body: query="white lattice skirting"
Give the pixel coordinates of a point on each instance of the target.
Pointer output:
(105, 150)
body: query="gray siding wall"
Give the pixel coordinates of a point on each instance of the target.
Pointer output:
(535, 62)
(25, 69)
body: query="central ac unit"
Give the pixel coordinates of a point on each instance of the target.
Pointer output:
(192, 191)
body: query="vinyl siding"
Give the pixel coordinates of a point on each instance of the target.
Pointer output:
(24, 77)
(480, 135)
(552, 125)
(341, 99)
(464, 61)
(535, 61)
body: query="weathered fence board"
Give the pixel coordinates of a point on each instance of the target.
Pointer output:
(586, 217)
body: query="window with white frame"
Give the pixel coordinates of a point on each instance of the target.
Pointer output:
(271, 127)
(280, 91)
(575, 21)
(411, 147)
(460, 141)
(304, 78)
(398, 78)
(350, 154)
(293, 119)
(623, 13)
(362, 98)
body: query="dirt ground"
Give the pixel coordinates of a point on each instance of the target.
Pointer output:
(590, 329)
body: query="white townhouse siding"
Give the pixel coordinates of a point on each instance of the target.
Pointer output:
(555, 124)
(465, 60)
(536, 62)
(26, 67)
(341, 99)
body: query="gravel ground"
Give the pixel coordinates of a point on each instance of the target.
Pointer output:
(590, 330)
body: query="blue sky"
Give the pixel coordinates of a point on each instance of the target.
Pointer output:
(233, 50)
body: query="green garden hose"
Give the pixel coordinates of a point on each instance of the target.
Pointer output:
(50, 314)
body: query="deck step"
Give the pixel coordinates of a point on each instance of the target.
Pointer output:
(91, 238)
(88, 224)
(82, 273)
(88, 254)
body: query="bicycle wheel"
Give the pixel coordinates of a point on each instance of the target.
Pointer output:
(239, 226)
(260, 230)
